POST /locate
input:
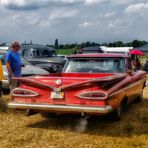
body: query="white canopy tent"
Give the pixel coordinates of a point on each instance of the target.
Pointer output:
(123, 50)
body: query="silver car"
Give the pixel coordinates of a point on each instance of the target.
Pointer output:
(27, 70)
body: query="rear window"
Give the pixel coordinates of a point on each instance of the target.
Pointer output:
(98, 65)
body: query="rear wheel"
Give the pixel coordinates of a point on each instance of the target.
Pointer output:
(118, 113)
(6, 91)
(139, 99)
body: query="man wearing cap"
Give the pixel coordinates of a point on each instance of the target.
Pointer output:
(13, 61)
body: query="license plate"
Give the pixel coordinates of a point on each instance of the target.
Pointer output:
(57, 95)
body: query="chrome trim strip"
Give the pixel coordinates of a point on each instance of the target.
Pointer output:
(62, 108)
(92, 80)
(29, 80)
(121, 90)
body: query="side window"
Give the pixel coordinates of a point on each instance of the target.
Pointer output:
(38, 53)
(28, 53)
(45, 53)
(52, 54)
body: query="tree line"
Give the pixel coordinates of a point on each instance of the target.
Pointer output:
(56, 45)
(134, 43)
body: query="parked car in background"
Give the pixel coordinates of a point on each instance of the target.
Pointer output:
(93, 49)
(119, 50)
(42, 56)
(27, 70)
(62, 56)
(90, 84)
(4, 48)
(104, 49)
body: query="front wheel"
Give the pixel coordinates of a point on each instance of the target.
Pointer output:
(54, 68)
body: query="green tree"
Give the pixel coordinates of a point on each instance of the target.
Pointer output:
(118, 44)
(104, 44)
(56, 44)
(135, 43)
(110, 44)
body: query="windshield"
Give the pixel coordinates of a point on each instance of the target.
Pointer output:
(38, 53)
(98, 65)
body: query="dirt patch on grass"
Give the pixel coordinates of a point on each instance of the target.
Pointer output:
(17, 130)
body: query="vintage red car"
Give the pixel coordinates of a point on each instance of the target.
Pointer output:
(90, 84)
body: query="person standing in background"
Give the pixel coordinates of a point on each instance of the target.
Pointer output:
(145, 66)
(13, 62)
(138, 64)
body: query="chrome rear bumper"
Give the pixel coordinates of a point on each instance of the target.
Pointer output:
(61, 108)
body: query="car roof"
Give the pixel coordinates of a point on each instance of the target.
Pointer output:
(99, 55)
(36, 46)
(91, 48)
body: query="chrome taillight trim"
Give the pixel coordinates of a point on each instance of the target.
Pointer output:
(81, 96)
(34, 94)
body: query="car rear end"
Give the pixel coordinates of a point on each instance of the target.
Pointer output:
(71, 93)
(81, 87)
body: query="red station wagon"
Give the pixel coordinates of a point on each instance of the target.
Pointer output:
(90, 84)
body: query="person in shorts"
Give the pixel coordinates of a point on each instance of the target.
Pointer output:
(13, 62)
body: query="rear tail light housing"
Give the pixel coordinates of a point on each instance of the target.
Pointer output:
(94, 95)
(21, 92)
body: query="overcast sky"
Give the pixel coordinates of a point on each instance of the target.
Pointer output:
(71, 21)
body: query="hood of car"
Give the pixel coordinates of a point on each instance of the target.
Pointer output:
(55, 60)
(33, 70)
(28, 70)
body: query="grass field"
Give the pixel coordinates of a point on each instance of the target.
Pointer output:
(19, 131)
(64, 51)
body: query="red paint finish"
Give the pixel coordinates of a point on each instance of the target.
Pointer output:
(65, 89)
